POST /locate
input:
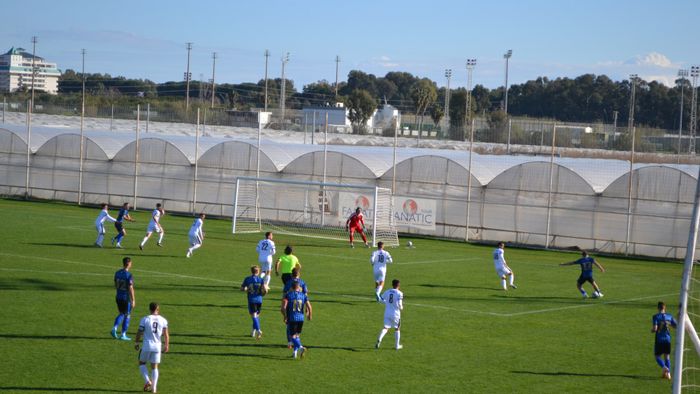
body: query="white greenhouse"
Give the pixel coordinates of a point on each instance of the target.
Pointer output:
(599, 204)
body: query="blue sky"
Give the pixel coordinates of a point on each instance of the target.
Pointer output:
(553, 38)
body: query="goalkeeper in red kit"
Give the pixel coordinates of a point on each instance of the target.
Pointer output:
(356, 222)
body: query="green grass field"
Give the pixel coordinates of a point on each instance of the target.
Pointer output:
(460, 332)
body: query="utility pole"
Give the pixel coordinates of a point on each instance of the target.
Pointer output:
(694, 73)
(213, 81)
(448, 75)
(34, 41)
(188, 76)
(267, 56)
(630, 118)
(506, 56)
(615, 113)
(337, 64)
(285, 59)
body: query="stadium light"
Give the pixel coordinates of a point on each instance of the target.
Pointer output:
(682, 74)
(285, 59)
(188, 76)
(694, 73)
(506, 56)
(471, 63)
(448, 75)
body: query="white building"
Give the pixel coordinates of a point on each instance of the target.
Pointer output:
(384, 117)
(16, 72)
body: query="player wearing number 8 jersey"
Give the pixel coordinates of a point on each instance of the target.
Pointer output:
(380, 258)
(151, 329)
(266, 250)
(393, 299)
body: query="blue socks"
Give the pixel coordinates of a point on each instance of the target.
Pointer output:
(256, 323)
(125, 325)
(668, 364)
(118, 320)
(289, 336)
(119, 237)
(661, 362)
(297, 343)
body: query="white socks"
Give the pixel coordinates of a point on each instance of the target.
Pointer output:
(381, 334)
(503, 283)
(512, 279)
(143, 242)
(99, 239)
(267, 280)
(154, 379)
(397, 335)
(144, 373)
(160, 237)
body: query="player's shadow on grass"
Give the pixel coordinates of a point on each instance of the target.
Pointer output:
(586, 375)
(208, 306)
(342, 302)
(86, 389)
(457, 287)
(282, 358)
(57, 337)
(64, 244)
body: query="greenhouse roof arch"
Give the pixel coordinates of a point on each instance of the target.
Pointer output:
(657, 182)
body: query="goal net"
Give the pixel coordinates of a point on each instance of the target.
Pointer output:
(312, 209)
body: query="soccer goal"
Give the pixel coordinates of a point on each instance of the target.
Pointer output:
(312, 209)
(686, 367)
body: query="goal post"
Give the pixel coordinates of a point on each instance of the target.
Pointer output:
(312, 209)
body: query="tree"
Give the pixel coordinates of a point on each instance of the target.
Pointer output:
(424, 94)
(436, 113)
(361, 106)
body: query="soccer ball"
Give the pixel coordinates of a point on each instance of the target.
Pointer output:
(409, 244)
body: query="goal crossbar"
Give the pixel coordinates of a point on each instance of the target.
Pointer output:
(311, 208)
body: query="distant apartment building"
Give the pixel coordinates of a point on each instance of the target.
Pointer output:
(16, 72)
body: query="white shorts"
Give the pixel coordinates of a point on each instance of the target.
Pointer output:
(392, 321)
(152, 228)
(146, 356)
(100, 228)
(380, 275)
(503, 271)
(195, 240)
(265, 263)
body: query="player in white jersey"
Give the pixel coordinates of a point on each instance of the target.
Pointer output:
(154, 226)
(100, 224)
(152, 328)
(502, 268)
(380, 258)
(393, 299)
(196, 234)
(266, 250)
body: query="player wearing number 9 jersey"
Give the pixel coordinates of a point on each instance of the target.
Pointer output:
(152, 328)
(393, 299)
(294, 304)
(380, 258)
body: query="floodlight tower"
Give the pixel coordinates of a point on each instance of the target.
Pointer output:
(694, 73)
(267, 57)
(285, 59)
(213, 81)
(34, 41)
(448, 75)
(506, 56)
(682, 74)
(471, 63)
(337, 65)
(630, 118)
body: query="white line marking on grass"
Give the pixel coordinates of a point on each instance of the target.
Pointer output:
(594, 303)
(162, 273)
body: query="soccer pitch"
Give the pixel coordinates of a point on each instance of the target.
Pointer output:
(460, 331)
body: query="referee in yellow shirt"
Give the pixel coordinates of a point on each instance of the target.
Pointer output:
(286, 264)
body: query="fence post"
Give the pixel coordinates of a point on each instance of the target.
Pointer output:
(111, 120)
(469, 179)
(4, 105)
(196, 166)
(29, 146)
(629, 194)
(549, 192)
(510, 124)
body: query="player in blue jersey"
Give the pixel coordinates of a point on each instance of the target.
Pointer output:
(294, 304)
(296, 273)
(587, 262)
(119, 224)
(254, 286)
(126, 301)
(661, 324)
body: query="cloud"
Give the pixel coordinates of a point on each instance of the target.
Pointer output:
(385, 61)
(653, 59)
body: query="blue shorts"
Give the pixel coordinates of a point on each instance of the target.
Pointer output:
(254, 307)
(662, 348)
(294, 327)
(124, 306)
(584, 278)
